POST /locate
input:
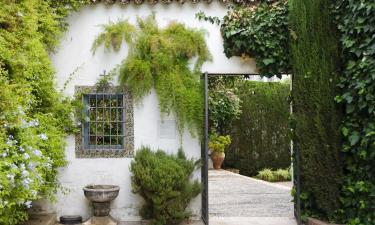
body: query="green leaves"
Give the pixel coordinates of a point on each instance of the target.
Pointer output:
(355, 21)
(261, 32)
(164, 182)
(34, 117)
(113, 35)
(354, 138)
(159, 58)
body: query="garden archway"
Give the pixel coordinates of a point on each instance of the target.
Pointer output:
(204, 154)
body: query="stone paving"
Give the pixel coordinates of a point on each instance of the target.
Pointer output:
(239, 200)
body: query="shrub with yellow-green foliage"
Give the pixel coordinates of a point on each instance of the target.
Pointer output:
(34, 117)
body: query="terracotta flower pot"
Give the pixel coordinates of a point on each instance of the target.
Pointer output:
(217, 159)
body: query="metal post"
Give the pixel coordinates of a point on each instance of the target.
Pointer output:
(205, 153)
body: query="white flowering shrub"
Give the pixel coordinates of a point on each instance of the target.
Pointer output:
(31, 150)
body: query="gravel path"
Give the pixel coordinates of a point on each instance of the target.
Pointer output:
(234, 195)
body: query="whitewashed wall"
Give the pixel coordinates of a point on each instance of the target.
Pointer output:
(74, 53)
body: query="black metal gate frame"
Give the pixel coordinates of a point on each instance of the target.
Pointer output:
(204, 155)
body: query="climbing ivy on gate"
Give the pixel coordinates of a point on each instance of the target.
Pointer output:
(356, 23)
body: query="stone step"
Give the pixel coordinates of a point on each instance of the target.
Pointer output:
(49, 219)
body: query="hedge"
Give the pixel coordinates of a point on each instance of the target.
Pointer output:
(260, 137)
(315, 62)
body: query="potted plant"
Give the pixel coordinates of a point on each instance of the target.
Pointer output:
(217, 146)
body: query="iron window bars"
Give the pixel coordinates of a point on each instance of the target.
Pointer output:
(104, 124)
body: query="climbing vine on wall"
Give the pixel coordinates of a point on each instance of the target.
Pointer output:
(258, 31)
(159, 58)
(355, 21)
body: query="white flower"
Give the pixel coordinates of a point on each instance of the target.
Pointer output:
(37, 153)
(19, 14)
(4, 155)
(22, 149)
(10, 177)
(34, 123)
(28, 204)
(26, 156)
(25, 183)
(31, 166)
(48, 166)
(25, 173)
(43, 137)
(20, 110)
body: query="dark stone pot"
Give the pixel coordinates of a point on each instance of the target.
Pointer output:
(101, 197)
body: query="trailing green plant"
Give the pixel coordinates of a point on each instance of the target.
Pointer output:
(164, 182)
(260, 135)
(316, 116)
(223, 103)
(259, 31)
(218, 143)
(34, 117)
(113, 35)
(159, 58)
(355, 21)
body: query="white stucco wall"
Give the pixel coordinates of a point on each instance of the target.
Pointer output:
(74, 52)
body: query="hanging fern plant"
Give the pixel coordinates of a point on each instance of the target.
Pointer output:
(113, 35)
(159, 58)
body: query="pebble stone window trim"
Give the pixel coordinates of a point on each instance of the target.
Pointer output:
(128, 147)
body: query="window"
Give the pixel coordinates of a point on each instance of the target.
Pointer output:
(104, 123)
(107, 127)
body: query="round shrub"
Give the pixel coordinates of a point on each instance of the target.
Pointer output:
(164, 183)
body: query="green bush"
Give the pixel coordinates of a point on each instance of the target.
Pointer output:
(283, 175)
(164, 182)
(266, 174)
(315, 61)
(260, 135)
(34, 117)
(274, 176)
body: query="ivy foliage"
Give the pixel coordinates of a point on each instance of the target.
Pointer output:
(315, 60)
(160, 59)
(261, 32)
(164, 183)
(34, 116)
(260, 135)
(355, 21)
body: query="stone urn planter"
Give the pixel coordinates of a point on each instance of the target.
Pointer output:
(217, 159)
(101, 197)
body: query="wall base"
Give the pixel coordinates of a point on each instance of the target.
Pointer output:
(312, 221)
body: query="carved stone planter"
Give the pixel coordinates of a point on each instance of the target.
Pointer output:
(101, 197)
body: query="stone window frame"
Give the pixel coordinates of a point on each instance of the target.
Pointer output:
(128, 149)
